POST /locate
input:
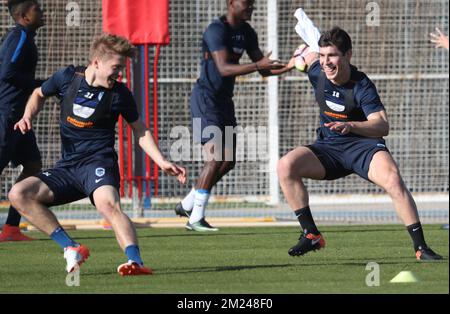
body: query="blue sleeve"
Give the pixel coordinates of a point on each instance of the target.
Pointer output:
(38, 82)
(314, 72)
(128, 107)
(13, 58)
(368, 98)
(58, 83)
(252, 40)
(214, 37)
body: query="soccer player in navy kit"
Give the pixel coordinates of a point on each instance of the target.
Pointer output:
(18, 59)
(353, 122)
(212, 108)
(91, 102)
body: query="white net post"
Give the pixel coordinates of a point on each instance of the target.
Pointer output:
(272, 90)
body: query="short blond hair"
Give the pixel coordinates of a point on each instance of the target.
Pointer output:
(108, 44)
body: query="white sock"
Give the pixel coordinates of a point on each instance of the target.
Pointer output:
(188, 201)
(200, 201)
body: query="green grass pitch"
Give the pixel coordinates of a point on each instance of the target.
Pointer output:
(234, 260)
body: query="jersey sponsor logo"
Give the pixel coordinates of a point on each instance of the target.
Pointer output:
(100, 172)
(334, 106)
(98, 180)
(335, 115)
(381, 145)
(80, 124)
(100, 95)
(46, 173)
(82, 111)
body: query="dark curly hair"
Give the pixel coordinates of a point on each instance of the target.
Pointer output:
(17, 8)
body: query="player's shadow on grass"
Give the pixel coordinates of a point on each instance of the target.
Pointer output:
(212, 234)
(172, 271)
(199, 235)
(315, 264)
(79, 238)
(187, 234)
(351, 230)
(401, 260)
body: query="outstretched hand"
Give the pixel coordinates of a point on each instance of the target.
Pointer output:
(174, 170)
(268, 64)
(439, 39)
(291, 63)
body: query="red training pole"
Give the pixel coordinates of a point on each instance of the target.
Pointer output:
(121, 155)
(155, 111)
(121, 152)
(147, 118)
(130, 141)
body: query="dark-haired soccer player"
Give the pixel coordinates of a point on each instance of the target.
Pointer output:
(18, 59)
(91, 102)
(353, 122)
(212, 107)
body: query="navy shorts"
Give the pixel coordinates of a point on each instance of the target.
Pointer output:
(210, 115)
(16, 147)
(342, 157)
(73, 182)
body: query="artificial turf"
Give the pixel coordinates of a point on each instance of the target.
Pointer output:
(231, 261)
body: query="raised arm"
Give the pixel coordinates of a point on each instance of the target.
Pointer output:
(147, 143)
(33, 107)
(226, 68)
(214, 39)
(311, 57)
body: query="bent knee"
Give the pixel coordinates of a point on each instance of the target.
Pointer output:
(108, 208)
(284, 168)
(17, 195)
(394, 183)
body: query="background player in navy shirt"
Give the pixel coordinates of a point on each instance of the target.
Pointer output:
(18, 59)
(224, 42)
(350, 140)
(91, 102)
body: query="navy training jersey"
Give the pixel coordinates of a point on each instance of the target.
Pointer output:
(18, 59)
(219, 35)
(365, 97)
(81, 139)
